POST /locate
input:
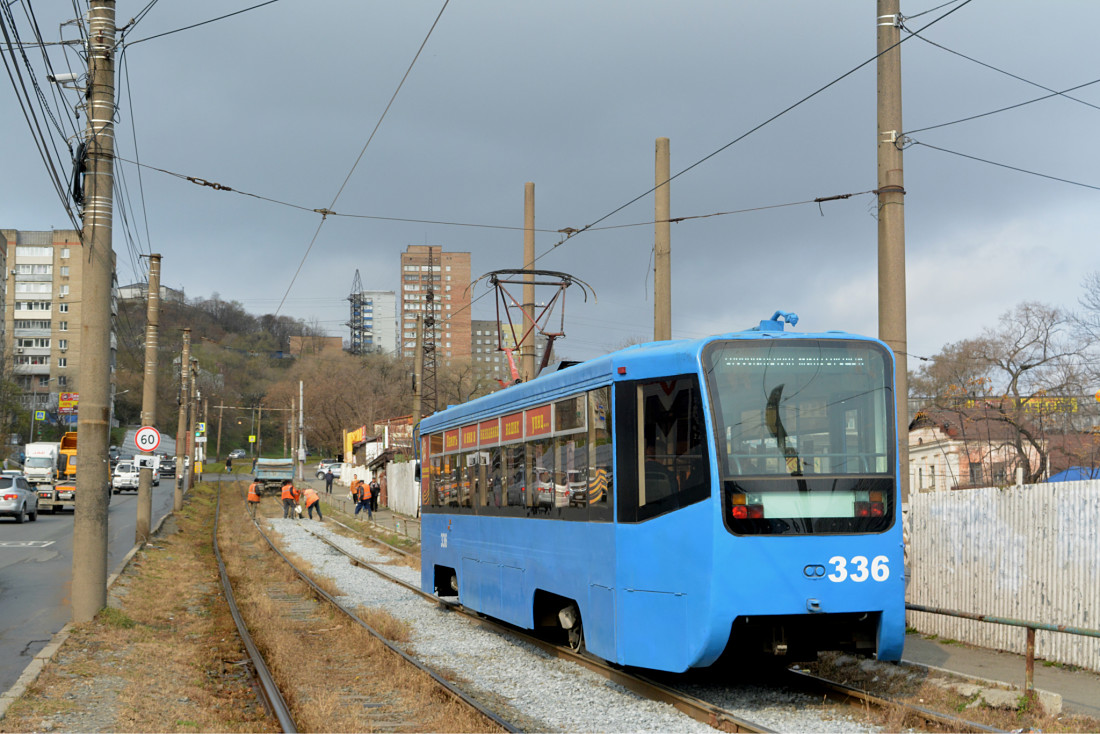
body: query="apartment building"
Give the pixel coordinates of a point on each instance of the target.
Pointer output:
(448, 274)
(373, 322)
(488, 359)
(42, 323)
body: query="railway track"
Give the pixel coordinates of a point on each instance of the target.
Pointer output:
(266, 684)
(696, 707)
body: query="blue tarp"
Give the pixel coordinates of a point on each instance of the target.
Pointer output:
(1075, 474)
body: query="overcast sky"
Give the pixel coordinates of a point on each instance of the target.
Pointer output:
(279, 101)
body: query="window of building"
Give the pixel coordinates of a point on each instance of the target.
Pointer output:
(64, 252)
(23, 251)
(63, 308)
(64, 290)
(32, 305)
(65, 271)
(33, 287)
(63, 325)
(31, 324)
(62, 381)
(62, 361)
(62, 343)
(33, 269)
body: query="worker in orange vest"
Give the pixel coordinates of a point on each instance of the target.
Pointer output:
(291, 495)
(313, 500)
(361, 493)
(253, 497)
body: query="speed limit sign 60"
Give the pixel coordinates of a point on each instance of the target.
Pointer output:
(147, 438)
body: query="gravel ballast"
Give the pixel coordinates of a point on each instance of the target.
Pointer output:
(558, 695)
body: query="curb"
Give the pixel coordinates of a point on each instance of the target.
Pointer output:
(46, 654)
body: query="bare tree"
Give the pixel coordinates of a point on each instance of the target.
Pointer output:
(1016, 374)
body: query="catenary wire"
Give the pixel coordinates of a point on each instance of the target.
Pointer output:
(1005, 165)
(362, 152)
(761, 125)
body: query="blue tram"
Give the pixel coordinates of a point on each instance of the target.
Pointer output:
(674, 501)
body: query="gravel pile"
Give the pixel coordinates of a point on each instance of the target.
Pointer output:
(555, 694)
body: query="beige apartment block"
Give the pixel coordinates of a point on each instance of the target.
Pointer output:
(42, 313)
(448, 273)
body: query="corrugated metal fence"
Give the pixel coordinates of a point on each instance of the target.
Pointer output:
(1031, 553)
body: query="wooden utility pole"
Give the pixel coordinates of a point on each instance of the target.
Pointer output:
(218, 450)
(181, 425)
(149, 398)
(527, 350)
(662, 244)
(891, 221)
(89, 584)
(260, 429)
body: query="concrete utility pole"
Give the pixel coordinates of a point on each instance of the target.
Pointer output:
(89, 586)
(193, 409)
(181, 425)
(527, 351)
(260, 429)
(891, 220)
(662, 246)
(218, 450)
(301, 430)
(149, 398)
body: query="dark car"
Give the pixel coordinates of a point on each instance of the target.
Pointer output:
(167, 466)
(114, 454)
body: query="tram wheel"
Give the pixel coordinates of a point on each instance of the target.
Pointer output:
(575, 635)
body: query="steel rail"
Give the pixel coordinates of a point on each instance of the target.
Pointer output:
(451, 688)
(272, 696)
(855, 696)
(696, 708)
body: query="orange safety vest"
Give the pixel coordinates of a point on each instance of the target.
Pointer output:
(311, 496)
(253, 492)
(290, 492)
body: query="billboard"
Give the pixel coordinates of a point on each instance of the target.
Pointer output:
(67, 402)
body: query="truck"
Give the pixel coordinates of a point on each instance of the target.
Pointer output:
(271, 473)
(68, 456)
(43, 462)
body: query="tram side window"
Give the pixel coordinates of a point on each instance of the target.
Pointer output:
(494, 477)
(600, 456)
(513, 475)
(669, 448)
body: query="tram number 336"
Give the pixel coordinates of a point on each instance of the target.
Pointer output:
(857, 568)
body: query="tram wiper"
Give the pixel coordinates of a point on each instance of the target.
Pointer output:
(775, 425)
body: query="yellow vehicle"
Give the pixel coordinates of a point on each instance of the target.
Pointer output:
(68, 456)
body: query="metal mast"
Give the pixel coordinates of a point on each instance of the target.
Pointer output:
(428, 394)
(355, 323)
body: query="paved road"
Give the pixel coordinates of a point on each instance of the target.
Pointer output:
(36, 574)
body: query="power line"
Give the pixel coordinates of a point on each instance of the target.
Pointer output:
(377, 125)
(196, 25)
(1005, 165)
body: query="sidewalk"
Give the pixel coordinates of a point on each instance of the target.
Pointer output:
(1080, 689)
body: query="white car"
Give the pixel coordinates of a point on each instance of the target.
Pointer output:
(324, 466)
(17, 499)
(125, 477)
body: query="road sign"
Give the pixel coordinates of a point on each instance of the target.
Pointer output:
(200, 439)
(147, 438)
(40, 415)
(252, 439)
(201, 428)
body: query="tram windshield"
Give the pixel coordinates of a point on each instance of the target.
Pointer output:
(804, 434)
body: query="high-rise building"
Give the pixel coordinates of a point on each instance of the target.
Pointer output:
(42, 317)
(373, 322)
(488, 359)
(448, 275)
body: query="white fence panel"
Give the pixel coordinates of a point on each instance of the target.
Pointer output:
(1031, 553)
(402, 490)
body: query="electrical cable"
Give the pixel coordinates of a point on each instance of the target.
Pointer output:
(1004, 165)
(377, 125)
(1005, 109)
(205, 22)
(744, 135)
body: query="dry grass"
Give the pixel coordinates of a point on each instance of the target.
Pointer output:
(911, 685)
(335, 675)
(162, 657)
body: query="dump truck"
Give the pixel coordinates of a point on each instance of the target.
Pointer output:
(68, 456)
(271, 473)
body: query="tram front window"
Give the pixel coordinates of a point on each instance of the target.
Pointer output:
(804, 434)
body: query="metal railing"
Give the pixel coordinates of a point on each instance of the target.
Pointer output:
(1029, 659)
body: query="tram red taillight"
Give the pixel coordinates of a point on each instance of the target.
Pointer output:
(742, 509)
(869, 504)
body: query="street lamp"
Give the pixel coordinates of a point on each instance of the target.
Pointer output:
(34, 400)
